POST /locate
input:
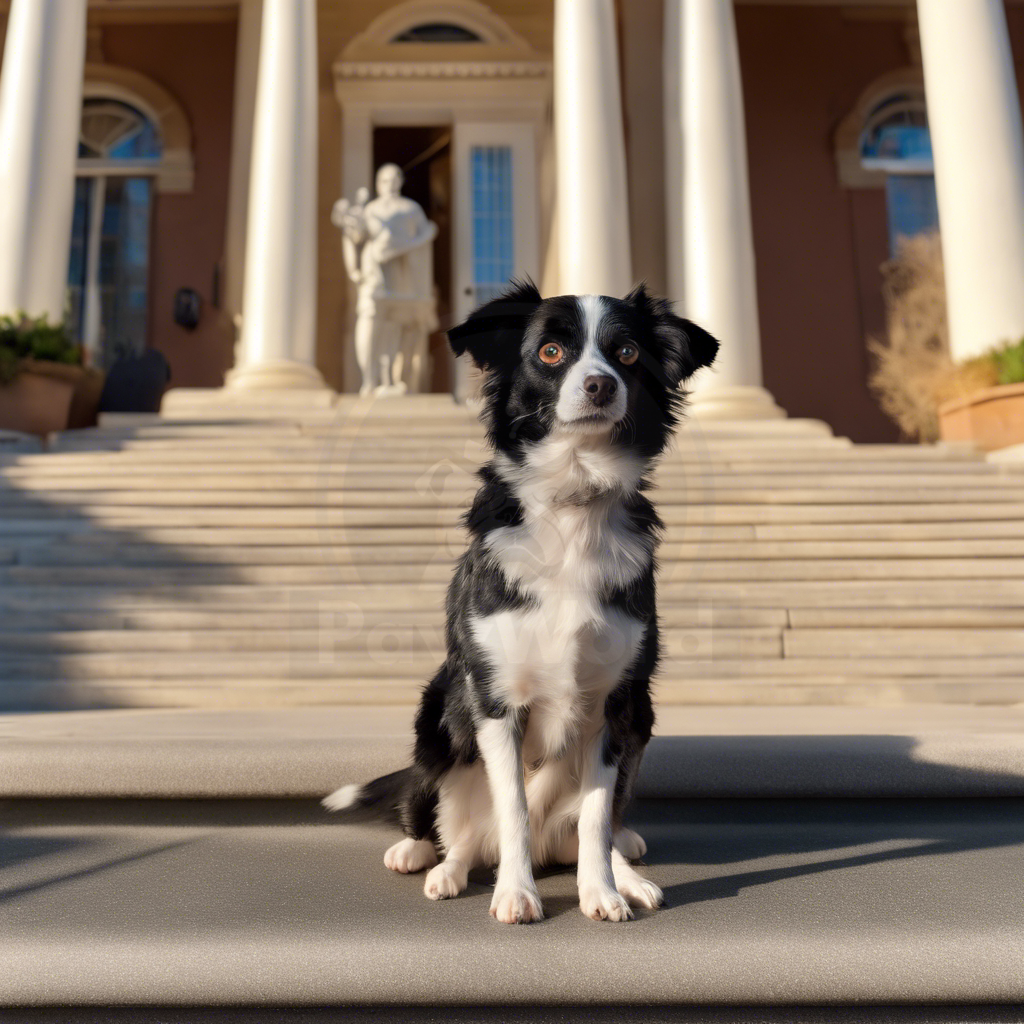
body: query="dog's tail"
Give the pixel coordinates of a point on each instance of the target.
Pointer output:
(377, 799)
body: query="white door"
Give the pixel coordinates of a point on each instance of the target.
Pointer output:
(497, 212)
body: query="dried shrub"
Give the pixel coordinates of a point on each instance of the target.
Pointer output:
(913, 364)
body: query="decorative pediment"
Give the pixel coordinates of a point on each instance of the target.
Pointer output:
(428, 32)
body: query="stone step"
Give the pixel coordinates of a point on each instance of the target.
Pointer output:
(252, 904)
(131, 617)
(327, 640)
(354, 598)
(56, 467)
(328, 618)
(77, 531)
(913, 618)
(393, 462)
(202, 691)
(341, 547)
(230, 446)
(340, 599)
(459, 492)
(327, 570)
(699, 751)
(697, 517)
(685, 662)
(442, 538)
(903, 642)
(360, 476)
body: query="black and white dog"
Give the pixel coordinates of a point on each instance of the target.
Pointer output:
(529, 738)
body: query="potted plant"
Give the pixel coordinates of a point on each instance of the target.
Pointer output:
(990, 413)
(916, 380)
(43, 385)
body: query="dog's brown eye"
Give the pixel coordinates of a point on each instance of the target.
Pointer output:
(550, 353)
(628, 354)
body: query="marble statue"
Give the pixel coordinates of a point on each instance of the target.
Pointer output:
(387, 246)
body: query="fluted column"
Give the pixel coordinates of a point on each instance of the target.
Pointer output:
(710, 235)
(40, 113)
(975, 121)
(591, 199)
(277, 347)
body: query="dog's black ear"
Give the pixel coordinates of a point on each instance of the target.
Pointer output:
(495, 330)
(682, 347)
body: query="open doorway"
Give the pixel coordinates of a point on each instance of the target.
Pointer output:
(425, 155)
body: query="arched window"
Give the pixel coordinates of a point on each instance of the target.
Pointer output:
(896, 142)
(437, 32)
(119, 156)
(884, 142)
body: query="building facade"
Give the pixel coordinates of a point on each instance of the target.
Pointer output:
(756, 161)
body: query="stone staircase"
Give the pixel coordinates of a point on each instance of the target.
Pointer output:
(252, 558)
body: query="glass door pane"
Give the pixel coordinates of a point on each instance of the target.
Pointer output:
(78, 257)
(912, 206)
(493, 261)
(124, 266)
(108, 269)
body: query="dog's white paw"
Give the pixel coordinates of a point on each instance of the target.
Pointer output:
(637, 890)
(601, 904)
(448, 879)
(629, 844)
(411, 855)
(516, 906)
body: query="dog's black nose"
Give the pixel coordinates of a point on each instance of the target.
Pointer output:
(600, 389)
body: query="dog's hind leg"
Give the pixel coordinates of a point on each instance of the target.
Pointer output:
(408, 856)
(416, 851)
(451, 876)
(629, 843)
(637, 890)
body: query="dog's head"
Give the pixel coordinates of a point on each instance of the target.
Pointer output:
(582, 364)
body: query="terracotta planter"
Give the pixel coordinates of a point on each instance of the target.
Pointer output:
(45, 397)
(991, 418)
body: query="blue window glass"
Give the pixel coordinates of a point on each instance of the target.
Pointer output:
(898, 143)
(913, 210)
(493, 252)
(437, 32)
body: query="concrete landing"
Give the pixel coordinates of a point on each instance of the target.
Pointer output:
(937, 751)
(774, 902)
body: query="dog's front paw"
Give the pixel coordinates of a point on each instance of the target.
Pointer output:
(516, 906)
(629, 844)
(411, 855)
(445, 881)
(601, 904)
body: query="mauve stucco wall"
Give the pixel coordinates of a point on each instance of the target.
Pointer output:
(818, 245)
(195, 62)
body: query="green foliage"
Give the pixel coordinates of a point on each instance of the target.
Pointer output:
(1009, 362)
(23, 337)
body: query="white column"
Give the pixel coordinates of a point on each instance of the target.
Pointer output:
(40, 112)
(278, 340)
(247, 55)
(710, 235)
(975, 121)
(591, 199)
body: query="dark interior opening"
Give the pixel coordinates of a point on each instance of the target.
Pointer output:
(424, 154)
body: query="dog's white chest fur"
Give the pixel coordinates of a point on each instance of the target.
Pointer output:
(564, 654)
